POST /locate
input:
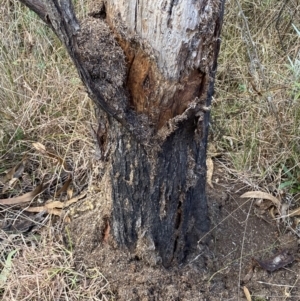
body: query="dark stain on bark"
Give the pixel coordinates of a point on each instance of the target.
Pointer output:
(137, 203)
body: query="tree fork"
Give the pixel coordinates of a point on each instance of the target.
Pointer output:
(150, 66)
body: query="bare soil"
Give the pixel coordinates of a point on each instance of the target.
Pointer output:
(225, 263)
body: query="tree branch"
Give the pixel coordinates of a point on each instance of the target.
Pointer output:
(60, 16)
(38, 7)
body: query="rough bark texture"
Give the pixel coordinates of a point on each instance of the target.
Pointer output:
(159, 201)
(149, 65)
(171, 47)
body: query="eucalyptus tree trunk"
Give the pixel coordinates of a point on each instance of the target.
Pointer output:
(149, 65)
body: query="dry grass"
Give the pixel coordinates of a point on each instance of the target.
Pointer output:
(256, 108)
(42, 100)
(45, 270)
(41, 97)
(255, 126)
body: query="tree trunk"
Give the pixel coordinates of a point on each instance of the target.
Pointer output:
(149, 66)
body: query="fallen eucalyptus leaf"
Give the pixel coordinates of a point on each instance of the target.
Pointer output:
(210, 170)
(54, 207)
(262, 195)
(25, 198)
(247, 293)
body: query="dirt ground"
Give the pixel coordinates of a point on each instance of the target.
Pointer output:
(241, 236)
(246, 249)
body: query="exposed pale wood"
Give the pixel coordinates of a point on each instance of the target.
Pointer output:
(177, 31)
(171, 49)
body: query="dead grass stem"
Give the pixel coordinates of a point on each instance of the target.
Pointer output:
(256, 110)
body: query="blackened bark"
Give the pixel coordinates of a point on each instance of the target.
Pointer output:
(159, 200)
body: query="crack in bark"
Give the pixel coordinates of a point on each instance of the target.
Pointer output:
(135, 14)
(178, 222)
(172, 4)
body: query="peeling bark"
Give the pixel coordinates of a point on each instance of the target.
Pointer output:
(150, 66)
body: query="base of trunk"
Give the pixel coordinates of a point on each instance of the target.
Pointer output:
(154, 202)
(158, 195)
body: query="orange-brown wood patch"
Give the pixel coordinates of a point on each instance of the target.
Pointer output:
(150, 92)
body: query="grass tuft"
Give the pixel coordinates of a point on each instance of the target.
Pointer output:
(255, 116)
(43, 269)
(42, 100)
